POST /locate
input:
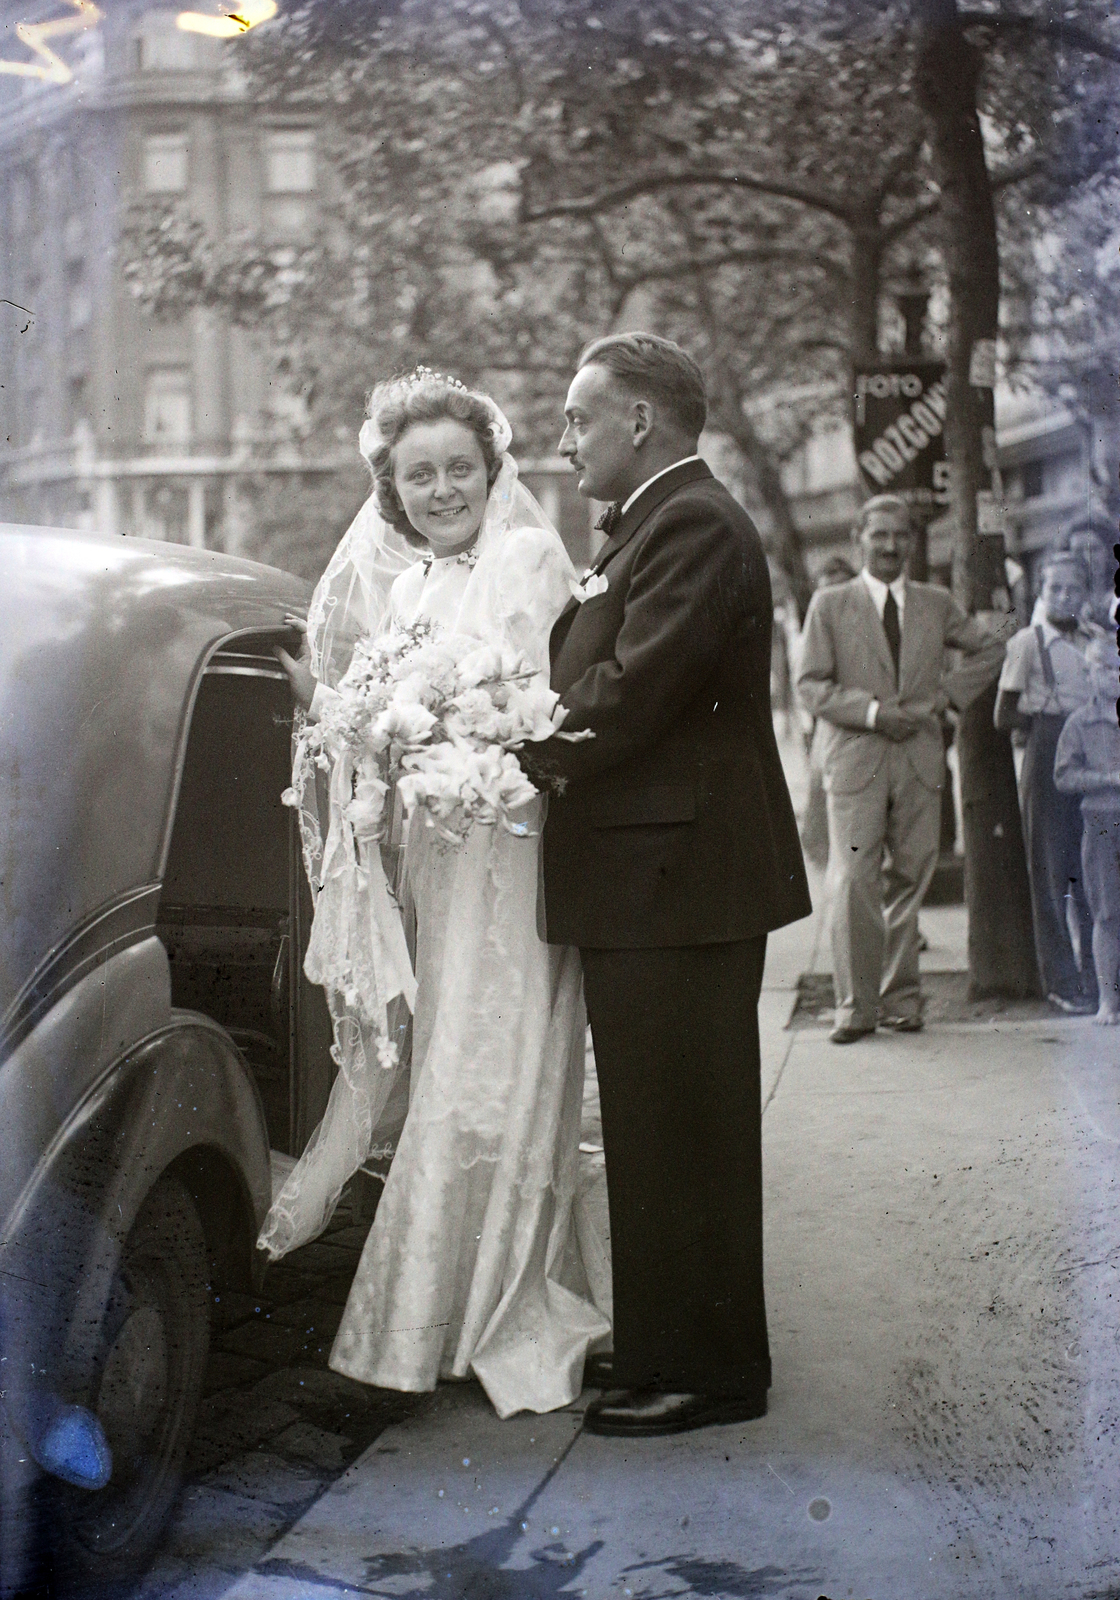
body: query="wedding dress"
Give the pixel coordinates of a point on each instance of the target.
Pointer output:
(473, 1263)
(462, 1269)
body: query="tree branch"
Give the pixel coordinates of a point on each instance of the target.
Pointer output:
(905, 161)
(1070, 33)
(890, 231)
(513, 65)
(745, 257)
(609, 199)
(1001, 178)
(1015, 172)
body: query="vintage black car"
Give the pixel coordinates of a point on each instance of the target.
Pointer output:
(158, 1038)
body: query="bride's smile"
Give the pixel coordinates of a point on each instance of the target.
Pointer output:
(440, 475)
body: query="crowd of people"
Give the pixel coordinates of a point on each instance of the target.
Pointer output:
(1060, 674)
(873, 679)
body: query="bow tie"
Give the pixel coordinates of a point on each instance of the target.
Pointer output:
(610, 519)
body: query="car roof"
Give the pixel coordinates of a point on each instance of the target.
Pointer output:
(103, 640)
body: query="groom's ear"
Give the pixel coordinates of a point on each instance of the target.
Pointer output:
(641, 421)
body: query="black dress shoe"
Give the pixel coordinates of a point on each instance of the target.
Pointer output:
(646, 1413)
(846, 1034)
(1077, 1007)
(598, 1371)
(903, 1024)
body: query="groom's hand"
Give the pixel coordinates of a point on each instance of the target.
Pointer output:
(534, 760)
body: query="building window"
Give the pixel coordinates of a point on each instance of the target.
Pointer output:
(33, 416)
(81, 305)
(289, 162)
(23, 202)
(167, 407)
(165, 163)
(165, 48)
(79, 400)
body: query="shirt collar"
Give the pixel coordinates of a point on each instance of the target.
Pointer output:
(641, 489)
(878, 590)
(1077, 639)
(1095, 710)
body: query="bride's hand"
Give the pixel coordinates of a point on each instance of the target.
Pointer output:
(298, 668)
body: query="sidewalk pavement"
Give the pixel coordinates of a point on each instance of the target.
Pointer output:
(943, 1245)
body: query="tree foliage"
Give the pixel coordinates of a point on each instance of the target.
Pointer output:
(509, 178)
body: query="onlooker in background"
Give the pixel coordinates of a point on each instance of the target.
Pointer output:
(1046, 676)
(871, 670)
(1087, 763)
(1092, 537)
(814, 821)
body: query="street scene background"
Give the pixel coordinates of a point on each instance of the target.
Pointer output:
(212, 244)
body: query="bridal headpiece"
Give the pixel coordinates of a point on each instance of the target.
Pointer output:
(370, 438)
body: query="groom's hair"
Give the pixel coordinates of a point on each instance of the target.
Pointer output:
(652, 368)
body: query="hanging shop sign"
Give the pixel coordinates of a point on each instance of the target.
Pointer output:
(899, 418)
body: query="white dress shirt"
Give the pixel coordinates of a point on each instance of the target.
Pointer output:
(877, 589)
(641, 489)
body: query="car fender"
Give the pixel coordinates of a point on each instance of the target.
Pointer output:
(94, 1018)
(180, 1100)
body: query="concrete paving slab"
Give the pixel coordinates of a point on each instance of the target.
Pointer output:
(431, 1506)
(943, 1240)
(945, 930)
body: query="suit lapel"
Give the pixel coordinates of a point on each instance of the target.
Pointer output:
(913, 622)
(874, 630)
(561, 629)
(648, 501)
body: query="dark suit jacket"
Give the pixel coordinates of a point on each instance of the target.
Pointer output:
(673, 825)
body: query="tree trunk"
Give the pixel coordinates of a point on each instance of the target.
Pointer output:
(867, 265)
(1000, 942)
(729, 413)
(785, 541)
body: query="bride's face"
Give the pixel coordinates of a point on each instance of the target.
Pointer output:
(440, 474)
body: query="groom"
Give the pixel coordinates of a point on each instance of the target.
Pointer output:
(670, 850)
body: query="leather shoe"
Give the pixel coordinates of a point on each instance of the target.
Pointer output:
(846, 1034)
(598, 1371)
(1078, 1007)
(646, 1413)
(910, 1024)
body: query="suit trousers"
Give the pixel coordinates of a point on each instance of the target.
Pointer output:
(1052, 838)
(677, 1057)
(883, 845)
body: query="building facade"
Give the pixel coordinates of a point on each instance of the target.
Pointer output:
(185, 430)
(170, 430)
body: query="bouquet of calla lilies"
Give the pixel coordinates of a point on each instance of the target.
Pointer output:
(438, 715)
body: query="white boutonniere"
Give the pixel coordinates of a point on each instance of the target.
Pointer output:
(587, 588)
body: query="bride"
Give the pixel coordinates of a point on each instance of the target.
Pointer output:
(472, 1265)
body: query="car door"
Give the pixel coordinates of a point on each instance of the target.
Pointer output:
(235, 909)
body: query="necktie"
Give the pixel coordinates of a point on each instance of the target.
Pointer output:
(610, 519)
(892, 629)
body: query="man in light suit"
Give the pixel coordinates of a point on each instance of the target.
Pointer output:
(872, 670)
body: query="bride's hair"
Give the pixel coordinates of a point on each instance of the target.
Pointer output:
(400, 404)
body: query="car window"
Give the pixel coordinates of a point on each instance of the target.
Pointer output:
(229, 843)
(224, 908)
